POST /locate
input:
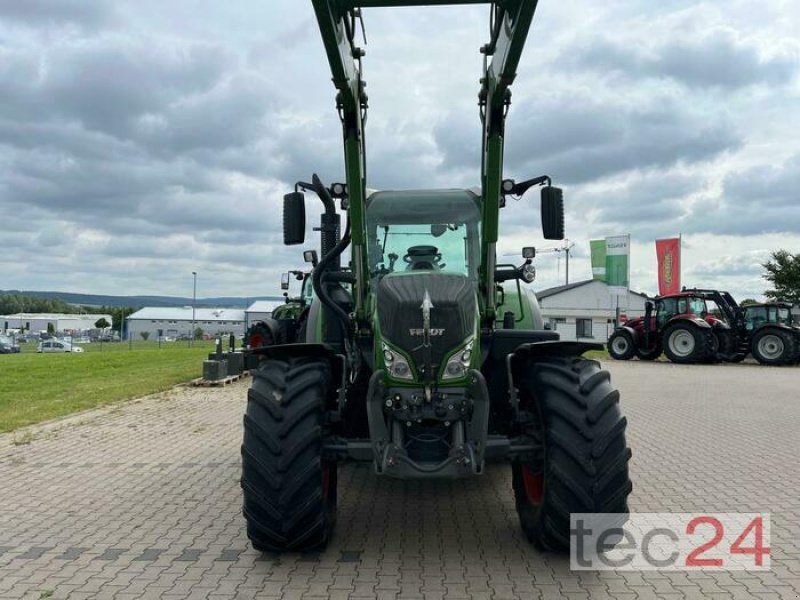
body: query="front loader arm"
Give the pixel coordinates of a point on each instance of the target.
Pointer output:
(511, 22)
(338, 21)
(337, 25)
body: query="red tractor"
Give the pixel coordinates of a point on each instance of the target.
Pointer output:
(700, 325)
(689, 327)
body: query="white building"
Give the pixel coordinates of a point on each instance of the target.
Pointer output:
(260, 310)
(585, 310)
(57, 322)
(177, 322)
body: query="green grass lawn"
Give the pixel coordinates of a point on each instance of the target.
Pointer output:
(597, 354)
(36, 387)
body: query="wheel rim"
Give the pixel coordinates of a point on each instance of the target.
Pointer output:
(256, 340)
(619, 345)
(681, 343)
(534, 485)
(771, 347)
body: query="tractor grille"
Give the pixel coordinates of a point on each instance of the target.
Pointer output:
(452, 316)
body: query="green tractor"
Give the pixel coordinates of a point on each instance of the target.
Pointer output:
(423, 355)
(774, 338)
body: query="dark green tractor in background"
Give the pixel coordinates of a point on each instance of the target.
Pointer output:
(422, 355)
(773, 336)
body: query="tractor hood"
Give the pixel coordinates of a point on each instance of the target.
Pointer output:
(453, 313)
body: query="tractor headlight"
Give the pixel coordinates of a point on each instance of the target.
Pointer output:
(396, 365)
(528, 273)
(458, 364)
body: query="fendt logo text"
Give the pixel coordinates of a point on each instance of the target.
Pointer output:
(421, 331)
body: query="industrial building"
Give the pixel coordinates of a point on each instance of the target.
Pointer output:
(586, 310)
(52, 322)
(178, 322)
(260, 310)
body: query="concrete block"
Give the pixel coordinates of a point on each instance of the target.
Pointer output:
(235, 363)
(214, 370)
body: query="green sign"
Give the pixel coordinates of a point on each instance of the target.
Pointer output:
(618, 250)
(598, 250)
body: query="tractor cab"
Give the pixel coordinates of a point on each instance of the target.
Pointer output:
(671, 306)
(758, 315)
(423, 231)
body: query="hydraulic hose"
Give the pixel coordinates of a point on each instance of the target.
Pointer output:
(322, 290)
(329, 220)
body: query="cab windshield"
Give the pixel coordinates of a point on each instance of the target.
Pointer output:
(423, 231)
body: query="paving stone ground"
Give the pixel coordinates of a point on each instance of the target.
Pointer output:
(142, 500)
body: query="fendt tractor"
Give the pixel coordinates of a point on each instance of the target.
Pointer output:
(424, 356)
(703, 325)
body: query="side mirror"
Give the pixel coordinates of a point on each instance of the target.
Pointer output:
(552, 213)
(437, 230)
(284, 281)
(294, 219)
(529, 252)
(310, 256)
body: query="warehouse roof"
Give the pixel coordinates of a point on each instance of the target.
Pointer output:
(264, 306)
(54, 316)
(570, 286)
(184, 313)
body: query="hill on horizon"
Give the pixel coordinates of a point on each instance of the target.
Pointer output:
(140, 301)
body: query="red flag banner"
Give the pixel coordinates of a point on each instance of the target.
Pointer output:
(669, 265)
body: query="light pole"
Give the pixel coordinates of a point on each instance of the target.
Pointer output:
(194, 302)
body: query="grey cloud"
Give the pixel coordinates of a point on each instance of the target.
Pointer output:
(762, 199)
(720, 58)
(84, 13)
(108, 85)
(579, 138)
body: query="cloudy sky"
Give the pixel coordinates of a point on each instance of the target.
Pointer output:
(141, 141)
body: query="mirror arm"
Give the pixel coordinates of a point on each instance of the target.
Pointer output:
(523, 186)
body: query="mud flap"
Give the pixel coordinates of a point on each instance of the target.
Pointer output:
(538, 350)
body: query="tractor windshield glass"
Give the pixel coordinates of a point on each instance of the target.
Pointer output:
(784, 316)
(756, 317)
(423, 231)
(697, 306)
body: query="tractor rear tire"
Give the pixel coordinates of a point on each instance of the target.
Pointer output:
(621, 345)
(584, 468)
(686, 343)
(774, 347)
(289, 490)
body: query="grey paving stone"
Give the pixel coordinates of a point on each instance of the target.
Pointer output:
(166, 522)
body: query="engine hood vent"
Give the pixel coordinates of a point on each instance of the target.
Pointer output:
(453, 314)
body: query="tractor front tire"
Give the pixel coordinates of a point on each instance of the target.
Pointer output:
(621, 345)
(289, 490)
(686, 343)
(774, 347)
(584, 467)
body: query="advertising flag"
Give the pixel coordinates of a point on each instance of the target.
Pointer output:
(618, 249)
(598, 250)
(668, 253)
